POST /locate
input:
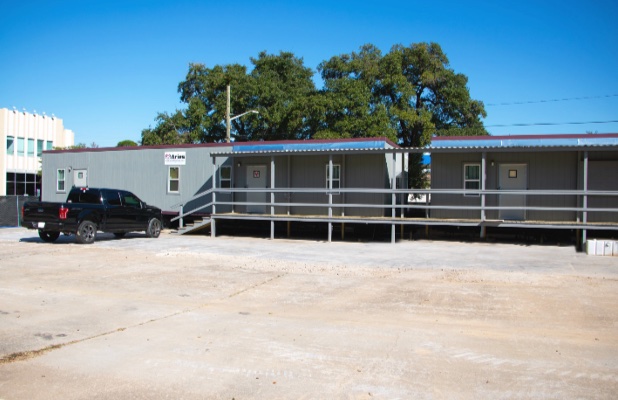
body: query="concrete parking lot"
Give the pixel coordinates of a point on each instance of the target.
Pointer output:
(247, 318)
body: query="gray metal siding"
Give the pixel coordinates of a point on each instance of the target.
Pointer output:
(141, 171)
(309, 171)
(603, 175)
(367, 171)
(546, 171)
(447, 173)
(552, 171)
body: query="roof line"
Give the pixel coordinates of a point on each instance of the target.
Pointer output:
(528, 137)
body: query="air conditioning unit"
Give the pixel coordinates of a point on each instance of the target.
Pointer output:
(600, 247)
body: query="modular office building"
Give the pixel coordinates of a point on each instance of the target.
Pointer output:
(179, 179)
(553, 181)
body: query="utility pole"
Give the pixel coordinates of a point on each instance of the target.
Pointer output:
(228, 119)
(227, 116)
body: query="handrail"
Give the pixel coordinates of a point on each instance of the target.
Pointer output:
(197, 196)
(532, 192)
(393, 205)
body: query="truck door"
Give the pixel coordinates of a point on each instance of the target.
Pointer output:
(115, 212)
(134, 214)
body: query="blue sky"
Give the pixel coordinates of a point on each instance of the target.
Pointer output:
(108, 67)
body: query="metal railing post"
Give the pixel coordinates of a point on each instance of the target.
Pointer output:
(483, 179)
(330, 197)
(393, 194)
(585, 199)
(182, 213)
(213, 230)
(272, 197)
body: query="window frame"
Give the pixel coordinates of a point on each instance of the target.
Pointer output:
(40, 144)
(336, 167)
(228, 179)
(170, 179)
(467, 179)
(21, 147)
(63, 180)
(10, 145)
(31, 147)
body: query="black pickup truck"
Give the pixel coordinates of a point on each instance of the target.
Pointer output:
(88, 210)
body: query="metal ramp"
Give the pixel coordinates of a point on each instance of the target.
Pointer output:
(194, 227)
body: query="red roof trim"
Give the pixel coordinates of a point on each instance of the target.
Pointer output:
(190, 146)
(137, 148)
(528, 137)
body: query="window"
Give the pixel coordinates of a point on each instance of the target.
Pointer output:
(472, 178)
(336, 176)
(20, 146)
(49, 145)
(30, 147)
(129, 200)
(39, 148)
(113, 198)
(173, 181)
(85, 195)
(225, 176)
(10, 145)
(60, 178)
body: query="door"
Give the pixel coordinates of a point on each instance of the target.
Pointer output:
(134, 215)
(115, 213)
(256, 179)
(513, 177)
(80, 177)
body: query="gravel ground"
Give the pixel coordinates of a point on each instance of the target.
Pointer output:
(245, 318)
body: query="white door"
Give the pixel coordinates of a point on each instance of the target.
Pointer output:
(256, 179)
(513, 177)
(80, 177)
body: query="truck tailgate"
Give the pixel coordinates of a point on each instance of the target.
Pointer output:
(36, 214)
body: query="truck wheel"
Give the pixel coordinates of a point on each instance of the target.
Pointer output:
(154, 228)
(48, 237)
(86, 232)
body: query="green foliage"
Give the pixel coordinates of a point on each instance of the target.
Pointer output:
(93, 145)
(126, 143)
(407, 95)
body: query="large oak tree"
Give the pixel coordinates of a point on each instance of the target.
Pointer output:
(407, 95)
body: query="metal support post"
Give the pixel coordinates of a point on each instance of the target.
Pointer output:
(228, 121)
(483, 187)
(330, 197)
(272, 197)
(585, 199)
(213, 231)
(393, 195)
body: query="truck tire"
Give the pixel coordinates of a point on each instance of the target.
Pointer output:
(154, 228)
(48, 236)
(86, 232)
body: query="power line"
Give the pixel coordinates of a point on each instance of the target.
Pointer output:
(513, 103)
(550, 124)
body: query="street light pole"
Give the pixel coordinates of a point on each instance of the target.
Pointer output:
(228, 120)
(227, 116)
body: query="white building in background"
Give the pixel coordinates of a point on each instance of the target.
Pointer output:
(25, 136)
